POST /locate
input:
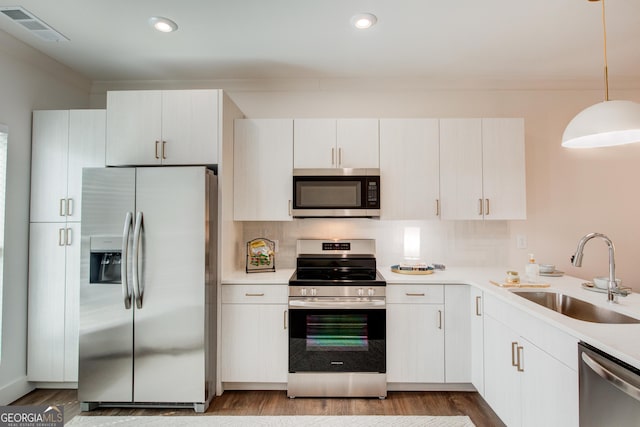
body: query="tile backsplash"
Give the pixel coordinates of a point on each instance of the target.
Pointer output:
(453, 243)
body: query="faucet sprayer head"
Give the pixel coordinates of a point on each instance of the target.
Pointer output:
(576, 259)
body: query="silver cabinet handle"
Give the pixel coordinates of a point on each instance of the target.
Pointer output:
(290, 206)
(63, 207)
(254, 295)
(61, 237)
(514, 345)
(157, 143)
(486, 207)
(439, 319)
(409, 294)
(284, 319)
(333, 156)
(164, 150)
(520, 354)
(604, 373)
(339, 156)
(137, 233)
(479, 206)
(124, 260)
(68, 237)
(478, 306)
(437, 207)
(69, 207)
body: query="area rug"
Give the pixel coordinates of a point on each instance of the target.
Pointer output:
(273, 421)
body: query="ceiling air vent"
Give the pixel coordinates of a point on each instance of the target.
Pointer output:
(32, 23)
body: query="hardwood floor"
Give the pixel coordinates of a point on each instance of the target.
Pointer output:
(277, 403)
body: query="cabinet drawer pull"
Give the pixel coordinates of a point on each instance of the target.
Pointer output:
(63, 207)
(61, 237)
(333, 156)
(478, 306)
(69, 207)
(486, 207)
(290, 206)
(339, 156)
(520, 355)
(285, 319)
(164, 150)
(68, 238)
(409, 294)
(157, 142)
(253, 295)
(439, 319)
(480, 210)
(513, 353)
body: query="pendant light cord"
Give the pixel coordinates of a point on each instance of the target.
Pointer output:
(606, 68)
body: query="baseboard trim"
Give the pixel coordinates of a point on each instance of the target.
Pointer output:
(254, 386)
(430, 387)
(61, 385)
(15, 390)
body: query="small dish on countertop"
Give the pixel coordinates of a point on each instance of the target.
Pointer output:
(546, 268)
(589, 286)
(555, 273)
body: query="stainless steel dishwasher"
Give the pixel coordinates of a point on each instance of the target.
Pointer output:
(609, 390)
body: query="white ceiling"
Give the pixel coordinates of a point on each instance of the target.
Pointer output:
(488, 42)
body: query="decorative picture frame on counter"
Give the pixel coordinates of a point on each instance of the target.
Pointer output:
(261, 255)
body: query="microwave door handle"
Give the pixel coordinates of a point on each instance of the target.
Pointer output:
(137, 232)
(624, 386)
(124, 265)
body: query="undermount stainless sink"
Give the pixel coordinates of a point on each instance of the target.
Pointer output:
(575, 308)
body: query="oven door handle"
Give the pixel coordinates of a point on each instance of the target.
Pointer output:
(612, 378)
(337, 305)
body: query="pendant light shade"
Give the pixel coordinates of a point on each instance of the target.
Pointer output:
(607, 123)
(604, 124)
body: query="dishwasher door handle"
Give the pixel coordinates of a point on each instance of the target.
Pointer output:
(612, 378)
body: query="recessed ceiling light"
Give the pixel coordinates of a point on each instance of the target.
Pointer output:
(161, 24)
(363, 21)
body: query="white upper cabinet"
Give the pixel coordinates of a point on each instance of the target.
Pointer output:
(409, 169)
(331, 143)
(482, 169)
(63, 142)
(262, 169)
(153, 127)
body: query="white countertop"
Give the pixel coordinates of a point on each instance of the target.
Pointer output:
(621, 341)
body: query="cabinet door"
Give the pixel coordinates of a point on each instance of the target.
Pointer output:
(477, 339)
(502, 379)
(134, 127)
(457, 341)
(314, 143)
(46, 309)
(358, 143)
(549, 390)
(72, 302)
(262, 172)
(86, 149)
(409, 168)
(190, 127)
(503, 169)
(461, 169)
(254, 343)
(415, 349)
(50, 138)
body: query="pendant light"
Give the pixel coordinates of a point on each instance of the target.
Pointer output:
(606, 123)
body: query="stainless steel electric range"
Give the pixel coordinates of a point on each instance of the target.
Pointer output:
(337, 321)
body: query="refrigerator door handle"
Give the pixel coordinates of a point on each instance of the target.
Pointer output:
(124, 266)
(137, 232)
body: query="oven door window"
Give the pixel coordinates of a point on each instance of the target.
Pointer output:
(343, 340)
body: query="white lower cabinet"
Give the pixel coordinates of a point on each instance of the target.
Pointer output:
(415, 338)
(254, 339)
(54, 279)
(524, 384)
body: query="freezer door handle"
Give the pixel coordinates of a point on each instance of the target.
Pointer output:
(124, 266)
(137, 233)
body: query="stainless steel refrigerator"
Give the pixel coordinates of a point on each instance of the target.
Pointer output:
(147, 292)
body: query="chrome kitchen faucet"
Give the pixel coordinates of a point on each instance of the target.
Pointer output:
(576, 260)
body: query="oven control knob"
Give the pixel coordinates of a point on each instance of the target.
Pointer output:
(313, 292)
(371, 292)
(360, 292)
(303, 292)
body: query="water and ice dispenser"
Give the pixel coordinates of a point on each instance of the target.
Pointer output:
(105, 259)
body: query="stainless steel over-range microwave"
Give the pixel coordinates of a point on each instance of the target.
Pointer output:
(336, 192)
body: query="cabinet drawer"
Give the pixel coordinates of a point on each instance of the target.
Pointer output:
(255, 294)
(415, 294)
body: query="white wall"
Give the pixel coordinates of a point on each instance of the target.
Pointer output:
(28, 81)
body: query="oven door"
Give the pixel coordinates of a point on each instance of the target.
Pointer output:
(335, 337)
